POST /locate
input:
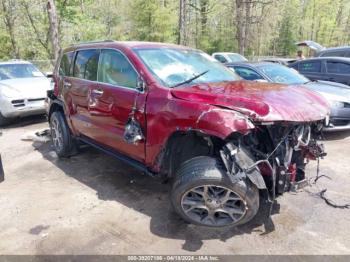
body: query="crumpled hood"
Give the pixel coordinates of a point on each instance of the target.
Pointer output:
(259, 101)
(331, 91)
(33, 87)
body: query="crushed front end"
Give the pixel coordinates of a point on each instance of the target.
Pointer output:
(273, 155)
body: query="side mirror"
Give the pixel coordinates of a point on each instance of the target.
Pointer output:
(49, 74)
(141, 84)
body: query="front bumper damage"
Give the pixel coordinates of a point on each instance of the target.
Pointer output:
(274, 157)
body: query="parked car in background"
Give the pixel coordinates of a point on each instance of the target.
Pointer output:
(334, 69)
(279, 60)
(23, 90)
(338, 95)
(343, 51)
(174, 112)
(226, 57)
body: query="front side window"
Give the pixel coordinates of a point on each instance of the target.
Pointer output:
(86, 63)
(338, 68)
(247, 73)
(12, 71)
(115, 69)
(281, 74)
(312, 67)
(65, 64)
(174, 66)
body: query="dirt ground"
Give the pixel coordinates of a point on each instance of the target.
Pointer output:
(94, 204)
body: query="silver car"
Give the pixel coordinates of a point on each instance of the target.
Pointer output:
(337, 95)
(22, 90)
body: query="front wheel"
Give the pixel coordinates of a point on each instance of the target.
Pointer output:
(202, 194)
(4, 120)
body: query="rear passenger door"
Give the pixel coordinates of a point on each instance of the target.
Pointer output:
(312, 70)
(338, 72)
(79, 86)
(111, 103)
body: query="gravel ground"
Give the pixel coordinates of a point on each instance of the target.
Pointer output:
(94, 204)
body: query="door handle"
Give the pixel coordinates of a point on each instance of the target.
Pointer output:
(97, 92)
(67, 84)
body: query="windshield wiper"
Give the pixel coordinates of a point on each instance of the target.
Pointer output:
(190, 80)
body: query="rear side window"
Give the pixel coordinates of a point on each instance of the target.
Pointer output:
(116, 70)
(86, 64)
(65, 64)
(313, 67)
(338, 67)
(220, 58)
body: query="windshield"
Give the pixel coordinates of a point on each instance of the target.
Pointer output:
(172, 66)
(236, 57)
(281, 74)
(12, 71)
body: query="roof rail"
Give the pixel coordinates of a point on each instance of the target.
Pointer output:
(92, 42)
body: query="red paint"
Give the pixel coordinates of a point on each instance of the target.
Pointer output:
(292, 169)
(218, 109)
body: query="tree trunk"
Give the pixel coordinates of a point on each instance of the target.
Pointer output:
(9, 20)
(240, 24)
(53, 20)
(182, 22)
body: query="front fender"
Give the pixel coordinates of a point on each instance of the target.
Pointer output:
(223, 122)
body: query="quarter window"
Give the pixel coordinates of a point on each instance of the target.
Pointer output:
(220, 58)
(116, 70)
(314, 67)
(338, 68)
(247, 74)
(86, 64)
(65, 64)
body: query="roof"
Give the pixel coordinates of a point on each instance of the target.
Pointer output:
(251, 64)
(334, 48)
(225, 53)
(125, 44)
(333, 58)
(14, 61)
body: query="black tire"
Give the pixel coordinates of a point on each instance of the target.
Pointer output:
(58, 125)
(208, 172)
(4, 120)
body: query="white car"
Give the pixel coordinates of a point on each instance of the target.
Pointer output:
(226, 57)
(23, 90)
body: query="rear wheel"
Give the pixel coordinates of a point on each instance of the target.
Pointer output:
(60, 134)
(203, 194)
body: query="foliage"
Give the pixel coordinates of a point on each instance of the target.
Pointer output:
(273, 26)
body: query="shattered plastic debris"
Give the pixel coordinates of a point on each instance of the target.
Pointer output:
(37, 136)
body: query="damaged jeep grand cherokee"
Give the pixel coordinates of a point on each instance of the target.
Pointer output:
(174, 112)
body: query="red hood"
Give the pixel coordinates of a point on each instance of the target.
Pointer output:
(260, 101)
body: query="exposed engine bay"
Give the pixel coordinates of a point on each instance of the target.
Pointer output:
(273, 157)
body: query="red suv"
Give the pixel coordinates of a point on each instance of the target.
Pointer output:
(176, 112)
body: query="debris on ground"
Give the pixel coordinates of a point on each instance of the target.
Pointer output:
(37, 136)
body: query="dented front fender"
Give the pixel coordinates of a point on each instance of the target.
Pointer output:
(223, 122)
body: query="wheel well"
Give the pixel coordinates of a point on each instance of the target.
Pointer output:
(55, 107)
(182, 146)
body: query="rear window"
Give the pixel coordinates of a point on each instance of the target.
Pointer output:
(314, 66)
(65, 64)
(338, 67)
(86, 64)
